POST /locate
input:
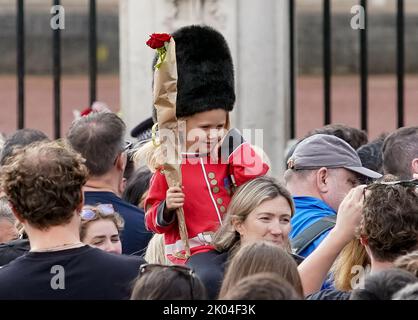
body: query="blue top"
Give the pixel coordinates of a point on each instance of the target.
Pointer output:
(309, 210)
(134, 237)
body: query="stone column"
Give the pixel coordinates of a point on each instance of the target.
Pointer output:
(263, 74)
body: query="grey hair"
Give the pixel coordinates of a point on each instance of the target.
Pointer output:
(409, 292)
(5, 211)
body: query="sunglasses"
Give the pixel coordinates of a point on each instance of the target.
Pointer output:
(91, 213)
(403, 183)
(127, 146)
(183, 270)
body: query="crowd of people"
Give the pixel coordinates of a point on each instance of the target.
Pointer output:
(91, 216)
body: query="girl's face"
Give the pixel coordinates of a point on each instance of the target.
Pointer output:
(103, 234)
(205, 130)
(270, 221)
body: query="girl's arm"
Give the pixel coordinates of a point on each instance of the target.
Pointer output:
(155, 206)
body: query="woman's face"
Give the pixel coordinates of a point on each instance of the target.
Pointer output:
(270, 221)
(104, 235)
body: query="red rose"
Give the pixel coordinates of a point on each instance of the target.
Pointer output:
(86, 112)
(157, 40)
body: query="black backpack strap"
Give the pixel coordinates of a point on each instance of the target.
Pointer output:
(311, 233)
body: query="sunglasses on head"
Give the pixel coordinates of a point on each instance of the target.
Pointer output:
(403, 183)
(413, 183)
(90, 213)
(126, 146)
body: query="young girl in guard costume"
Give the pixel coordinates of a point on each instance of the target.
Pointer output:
(205, 95)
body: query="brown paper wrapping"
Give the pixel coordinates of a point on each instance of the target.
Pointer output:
(165, 96)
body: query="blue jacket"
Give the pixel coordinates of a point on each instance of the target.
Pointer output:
(308, 211)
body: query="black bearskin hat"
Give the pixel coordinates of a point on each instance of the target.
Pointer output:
(205, 71)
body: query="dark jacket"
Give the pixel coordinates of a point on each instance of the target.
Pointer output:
(210, 268)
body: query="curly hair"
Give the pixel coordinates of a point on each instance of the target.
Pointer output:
(390, 220)
(43, 183)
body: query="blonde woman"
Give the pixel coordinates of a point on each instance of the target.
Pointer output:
(261, 209)
(351, 266)
(101, 227)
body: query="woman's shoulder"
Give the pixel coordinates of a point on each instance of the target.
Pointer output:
(207, 258)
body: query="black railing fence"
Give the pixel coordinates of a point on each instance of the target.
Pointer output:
(56, 64)
(327, 63)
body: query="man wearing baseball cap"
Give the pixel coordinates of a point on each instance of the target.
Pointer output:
(321, 171)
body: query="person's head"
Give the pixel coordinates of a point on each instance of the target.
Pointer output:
(353, 136)
(155, 252)
(383, 285)
(101, 227)
(400, 153)
(137, 187)
(409, 292)
(371, 155)
(20, 138)
(408, 262)
(8, 230)
(259, 210)
(389, 225)
(143, 131)
(262, 286)
(325, 167)
(161, 282)
(260, 257)
(99, 138)
(43, 183)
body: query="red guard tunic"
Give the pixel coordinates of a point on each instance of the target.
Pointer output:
(208, 189)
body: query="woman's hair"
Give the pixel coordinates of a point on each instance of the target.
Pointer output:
(353, 254)
(247, 198)
(155, 252)
(257, 257)
(408, 262)
(137, 186)
(115, 217)
(160, 282)
(262, 286)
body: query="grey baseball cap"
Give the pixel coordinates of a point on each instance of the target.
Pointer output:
(322, 150)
